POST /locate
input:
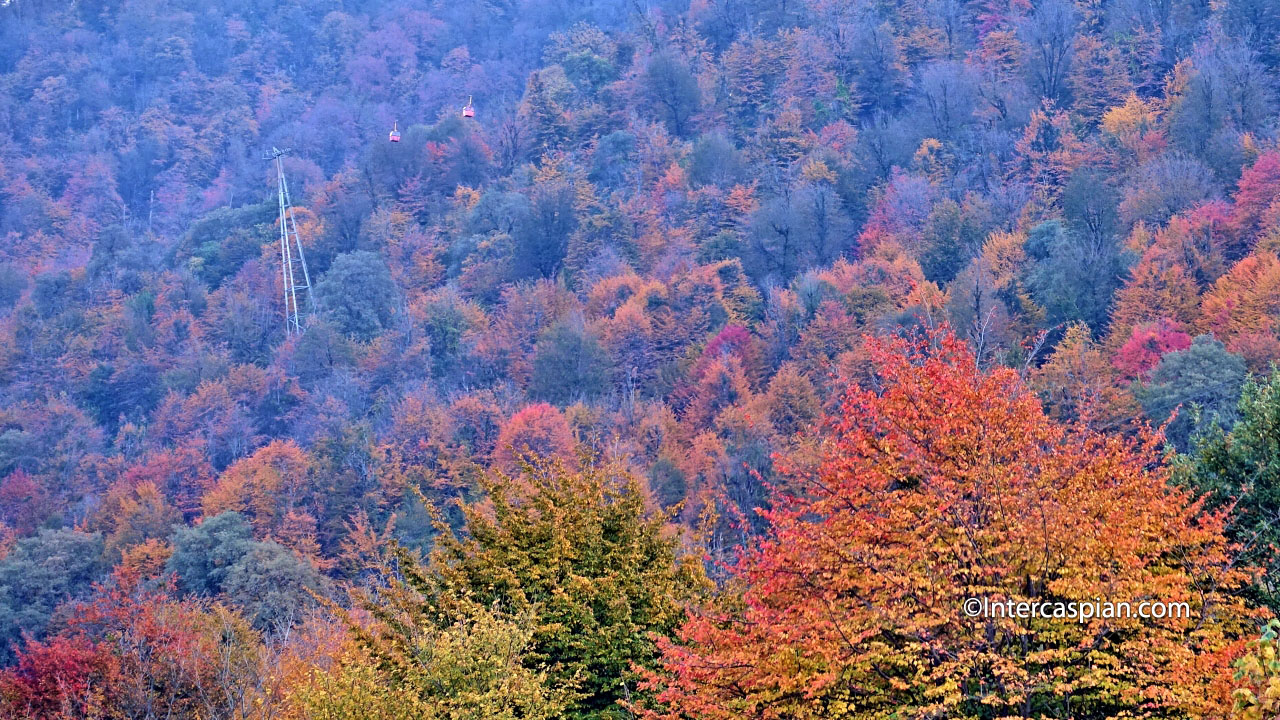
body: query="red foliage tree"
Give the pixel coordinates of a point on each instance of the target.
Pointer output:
(1145, 346)
(135, 653)
(24, 504)
(1258, 191)
(65, 678)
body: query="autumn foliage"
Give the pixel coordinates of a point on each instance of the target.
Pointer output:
(652, 298)
(951, 483)
(135, 652)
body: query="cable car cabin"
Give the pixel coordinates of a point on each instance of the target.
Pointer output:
(395, 133)
(467, 110)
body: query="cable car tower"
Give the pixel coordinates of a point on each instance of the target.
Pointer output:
(293, 264)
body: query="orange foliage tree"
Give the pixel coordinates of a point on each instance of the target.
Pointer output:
(1241, 309)
(1078, 384)
(1158, 287)
(263, 486)
(538, 429)
(950, 484)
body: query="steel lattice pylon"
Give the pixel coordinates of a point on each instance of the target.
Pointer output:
(290, 245)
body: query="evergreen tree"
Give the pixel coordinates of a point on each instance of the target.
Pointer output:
(1240, 469)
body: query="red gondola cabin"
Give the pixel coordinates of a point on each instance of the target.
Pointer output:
(467, 110)
(395, 133)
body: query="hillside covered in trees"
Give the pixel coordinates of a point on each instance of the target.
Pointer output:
(699, 370)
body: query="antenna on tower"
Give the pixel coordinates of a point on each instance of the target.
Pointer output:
(293, 270)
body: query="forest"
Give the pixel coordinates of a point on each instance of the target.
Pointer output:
(654, 359)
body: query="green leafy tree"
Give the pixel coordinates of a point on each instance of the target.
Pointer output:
(587, 55)
(541, 242)
(38, 575)
(219, 242)
(204, 554)
(1241, 469)
(130, 390)
(470, 669)
(266, 580)
(1074, 273)
(672, 90)
(1204, 381)
(542, 114)
(568, 363)
(54, 292)
(272, 585)
(715, 161)
(359, 294)
(12, 284)
(580, 555)
(1256, 693)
